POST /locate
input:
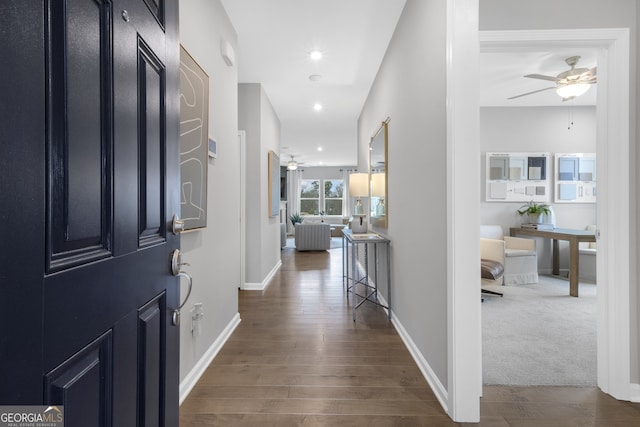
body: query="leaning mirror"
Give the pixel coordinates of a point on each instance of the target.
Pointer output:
(378, 169)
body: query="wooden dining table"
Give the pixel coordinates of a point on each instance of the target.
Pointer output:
(574, 237)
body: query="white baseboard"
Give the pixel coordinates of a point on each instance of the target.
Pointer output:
(187, 384)
(423, 365)
(427, 372)
(635, 393)
(265, 283)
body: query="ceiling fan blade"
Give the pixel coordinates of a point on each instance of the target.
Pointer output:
(588, 77)
(542, 77)
(531, 93)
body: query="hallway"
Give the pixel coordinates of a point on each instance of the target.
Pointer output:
(298, 359)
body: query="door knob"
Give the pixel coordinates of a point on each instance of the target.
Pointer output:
(177, 224)
(177, 262)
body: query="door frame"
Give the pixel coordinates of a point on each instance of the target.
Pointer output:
(614, 220)
(242, 141)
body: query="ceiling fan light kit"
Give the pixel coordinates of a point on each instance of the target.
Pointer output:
(571, 91)
(292, 164)
(569, 84)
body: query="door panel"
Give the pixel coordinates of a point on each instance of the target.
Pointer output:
(151, 355)
(83, 385)
(151, 146)
(87, 296)
(85, 125)
(79, 126)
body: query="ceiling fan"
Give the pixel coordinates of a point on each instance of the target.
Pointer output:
(293, 165)
(569, 84)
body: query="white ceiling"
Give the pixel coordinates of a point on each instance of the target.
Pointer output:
(274, 40)
(276, 36)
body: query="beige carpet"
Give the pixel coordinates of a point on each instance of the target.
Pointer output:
(539, 335)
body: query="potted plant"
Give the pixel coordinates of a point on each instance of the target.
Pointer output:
(295, 219)
(533, 211)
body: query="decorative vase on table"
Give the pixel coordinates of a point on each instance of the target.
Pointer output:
(533, 218)
(533, 213)
(549, 218)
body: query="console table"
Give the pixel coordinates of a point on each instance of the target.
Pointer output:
(574, 237)
(350, 280)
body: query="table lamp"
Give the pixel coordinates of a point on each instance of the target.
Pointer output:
(378, 190)
(358, 188)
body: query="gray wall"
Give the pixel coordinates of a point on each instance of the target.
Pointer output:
(214, 251)
(538, 129)
(635, 158)
(410, 89)
(551, 14)
(258, 119)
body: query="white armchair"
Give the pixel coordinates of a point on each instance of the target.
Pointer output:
(313, 236)
(587, 258)
(492, 250)
(520, 256)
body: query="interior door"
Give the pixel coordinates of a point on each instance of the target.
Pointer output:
(89, 186)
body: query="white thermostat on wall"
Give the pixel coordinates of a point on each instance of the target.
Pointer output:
(213, 153)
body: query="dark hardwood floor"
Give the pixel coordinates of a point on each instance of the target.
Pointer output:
(298, 359)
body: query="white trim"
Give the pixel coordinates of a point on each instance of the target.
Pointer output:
(265, 283)
(635, 393)
(614, 222)
(436, 386)
(242, 140)
(464, 334)
(191, 379)
(613, 261)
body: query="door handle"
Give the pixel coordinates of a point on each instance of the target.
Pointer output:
(175, 317)
(190, 282)
(176, 270)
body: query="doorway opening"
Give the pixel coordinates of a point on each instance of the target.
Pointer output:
(612, 150)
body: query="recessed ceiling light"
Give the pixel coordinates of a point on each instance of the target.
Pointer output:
(319, 148)
(316, 55)
(317, 107)
(315, 77)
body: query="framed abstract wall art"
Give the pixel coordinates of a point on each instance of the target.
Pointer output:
(194, 141)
